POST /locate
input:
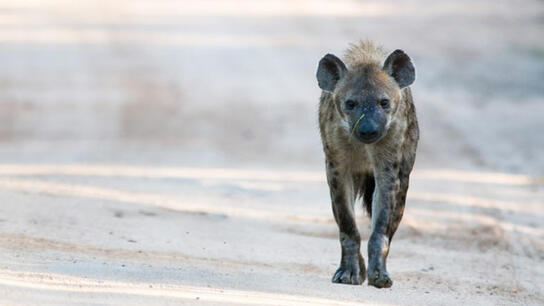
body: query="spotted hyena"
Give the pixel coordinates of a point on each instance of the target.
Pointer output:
(369, 132)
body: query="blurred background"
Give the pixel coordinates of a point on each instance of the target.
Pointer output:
(153, 152)
(231, 82)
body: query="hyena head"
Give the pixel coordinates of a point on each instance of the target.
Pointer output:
(367, 95)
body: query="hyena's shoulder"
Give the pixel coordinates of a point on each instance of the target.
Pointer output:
(411, 135)
(335, 143)
(412, 131)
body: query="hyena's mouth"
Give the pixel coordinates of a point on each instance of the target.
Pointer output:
(368, 139)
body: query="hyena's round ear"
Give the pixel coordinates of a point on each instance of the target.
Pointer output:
(330, 70)
(399, 65)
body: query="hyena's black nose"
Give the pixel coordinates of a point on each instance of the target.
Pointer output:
(368, 132)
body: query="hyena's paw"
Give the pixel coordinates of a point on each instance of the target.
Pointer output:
(379, 279)
(351, 272)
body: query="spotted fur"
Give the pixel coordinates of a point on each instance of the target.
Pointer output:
(376, 172)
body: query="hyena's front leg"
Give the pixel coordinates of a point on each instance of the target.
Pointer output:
(352, 267)
(387, 210)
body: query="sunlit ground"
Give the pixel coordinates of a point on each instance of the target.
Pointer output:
(479, 213)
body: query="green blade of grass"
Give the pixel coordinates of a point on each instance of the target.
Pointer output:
(357, 123)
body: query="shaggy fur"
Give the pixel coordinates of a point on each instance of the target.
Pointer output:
(377, 172)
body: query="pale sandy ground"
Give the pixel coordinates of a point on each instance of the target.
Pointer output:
(156, 153)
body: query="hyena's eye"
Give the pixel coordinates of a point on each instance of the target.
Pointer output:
(385, 103)
(350, 104)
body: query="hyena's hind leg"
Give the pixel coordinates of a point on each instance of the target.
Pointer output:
(396, 216)
(352, 268)
(367, 186)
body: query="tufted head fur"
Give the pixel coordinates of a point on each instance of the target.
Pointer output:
(367, 91)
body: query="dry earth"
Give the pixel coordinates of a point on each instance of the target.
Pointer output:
(166, 152)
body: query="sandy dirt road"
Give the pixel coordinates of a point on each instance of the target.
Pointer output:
(144, 235)
(166, 152)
